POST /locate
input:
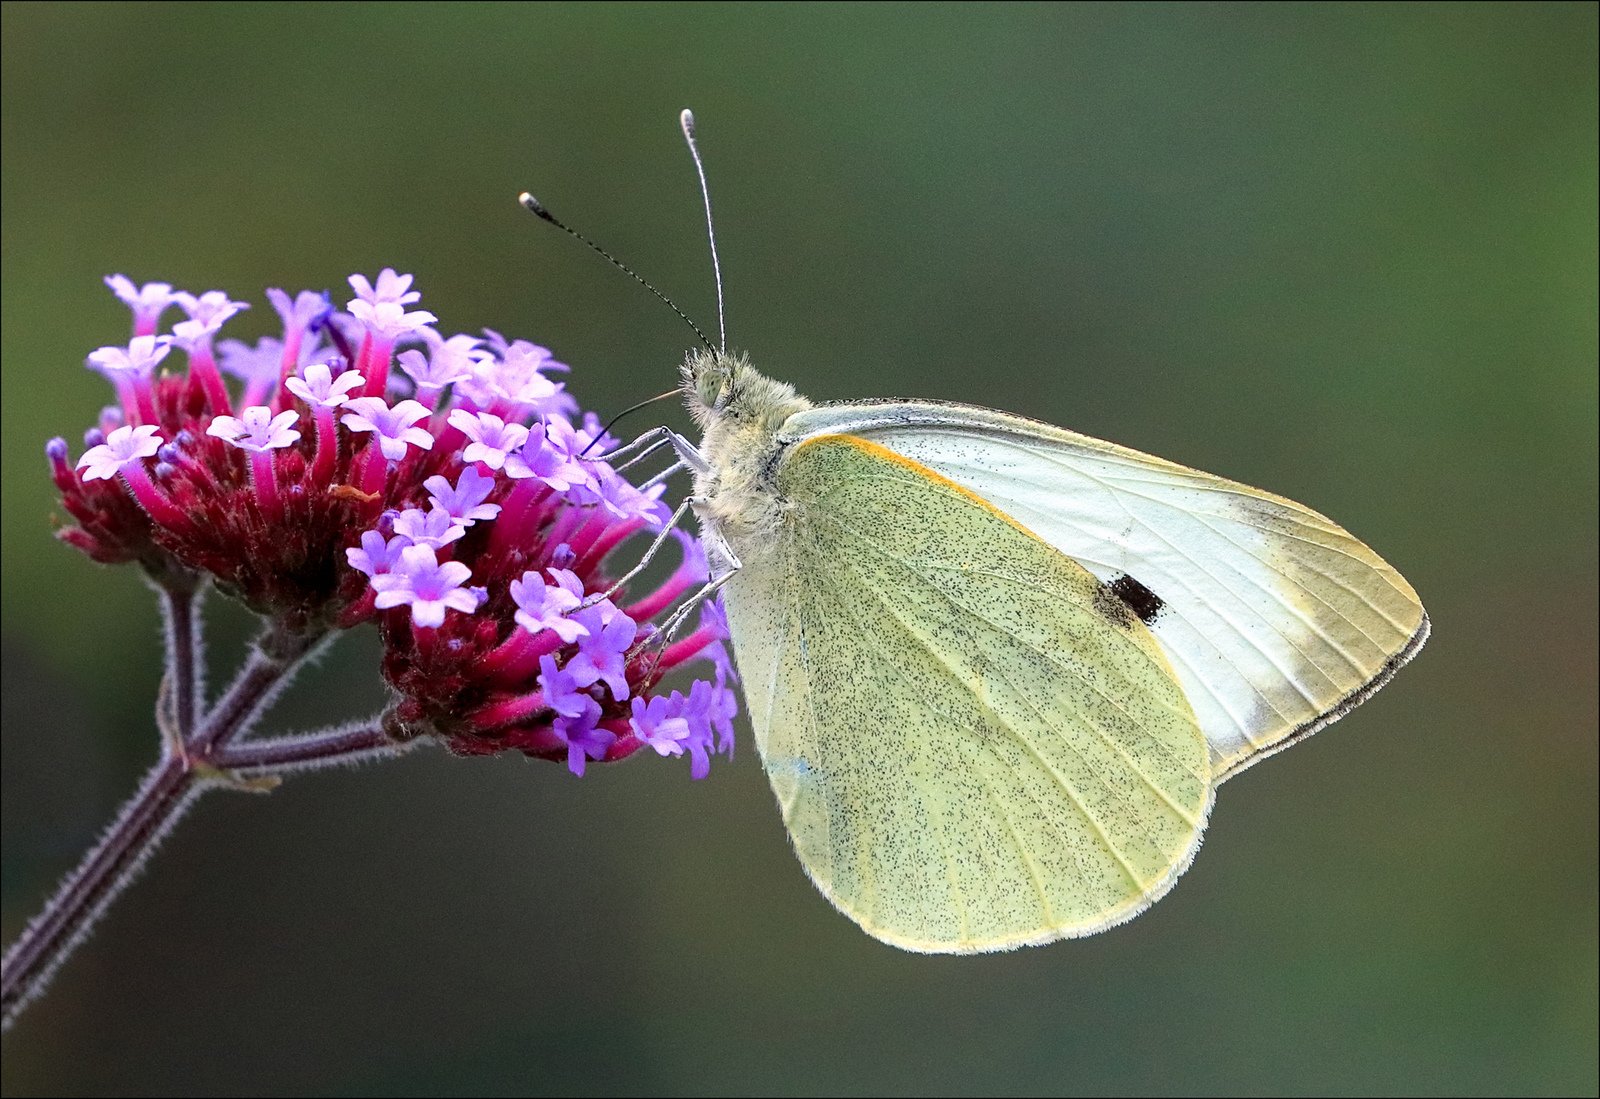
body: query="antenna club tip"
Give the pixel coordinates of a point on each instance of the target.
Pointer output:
(533, 205)
(686, 120)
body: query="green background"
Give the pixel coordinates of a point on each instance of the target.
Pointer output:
(1345, 253)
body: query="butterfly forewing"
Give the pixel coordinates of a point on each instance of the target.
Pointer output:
(976, 744)
(1275, 619)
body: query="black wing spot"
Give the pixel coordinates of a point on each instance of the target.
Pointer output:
(1136, 597)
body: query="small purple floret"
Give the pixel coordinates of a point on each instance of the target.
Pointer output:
(430, 588)
(376, 555)
(493, 439)
(435, 528)
(391, 425)
(257, 429)
(463, 501)
(542, 606)
(122, 446)
(320, 389)
(601, 656)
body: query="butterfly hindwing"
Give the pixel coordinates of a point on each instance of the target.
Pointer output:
(976, 744)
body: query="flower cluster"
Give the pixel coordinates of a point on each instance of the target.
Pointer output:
(446, 487)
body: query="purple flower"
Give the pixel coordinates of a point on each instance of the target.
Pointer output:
(464, 503)
(148, 302)
(660, 723)
(391, 288)
(616, 494)
(257, 429)
(561, 689)
(376, 556)
(585, 739)
(207, 313)
(435, 528)
(308, 309)
(212, 306)
(601, 656)
(720, 705)
(507, 349)
(389, 320)
(429, 587)
(138, 360)
(124, 445)
(576, 715)
(492, 438)
(272, 528)
(546, 456)
(518, 378)
(392, 425)
(714, 617)
(320, 389)
(675, 724)
(542, 606)
(447, 363)
(256, 365)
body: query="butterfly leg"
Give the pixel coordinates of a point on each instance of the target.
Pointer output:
(688, 453)
(651, 440)
(724, 565)
(644, 559)
(675, 467)
(688, 458)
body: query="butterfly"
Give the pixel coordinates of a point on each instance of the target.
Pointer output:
(996, 669)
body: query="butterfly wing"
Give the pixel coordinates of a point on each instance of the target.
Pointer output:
(975, 745)
(1275, 619)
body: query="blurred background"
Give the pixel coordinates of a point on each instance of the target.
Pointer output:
(1344, 253)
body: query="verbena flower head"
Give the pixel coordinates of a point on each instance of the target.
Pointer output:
(474, 526)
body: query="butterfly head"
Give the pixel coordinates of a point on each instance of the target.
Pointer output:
(726, 390)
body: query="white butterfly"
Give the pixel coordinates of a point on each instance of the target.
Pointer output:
(996, 669)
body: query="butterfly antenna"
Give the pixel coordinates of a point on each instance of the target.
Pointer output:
(686, 120)
(535, 207)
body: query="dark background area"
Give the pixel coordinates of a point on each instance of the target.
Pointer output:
(1345, 253)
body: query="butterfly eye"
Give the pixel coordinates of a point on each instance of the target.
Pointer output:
(713, 383)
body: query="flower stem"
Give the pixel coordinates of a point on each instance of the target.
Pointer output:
(190, 763)
(275, 655)
(86, 892)
(309, 751)
(180, 605)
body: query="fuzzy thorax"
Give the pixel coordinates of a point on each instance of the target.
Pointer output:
(740, 411)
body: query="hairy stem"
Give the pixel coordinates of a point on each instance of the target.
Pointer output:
(180, 608)
(309, 751)
(86, 892)
(276, 654)
(166, 791)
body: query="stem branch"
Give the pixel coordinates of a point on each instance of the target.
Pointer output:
(306, 752)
